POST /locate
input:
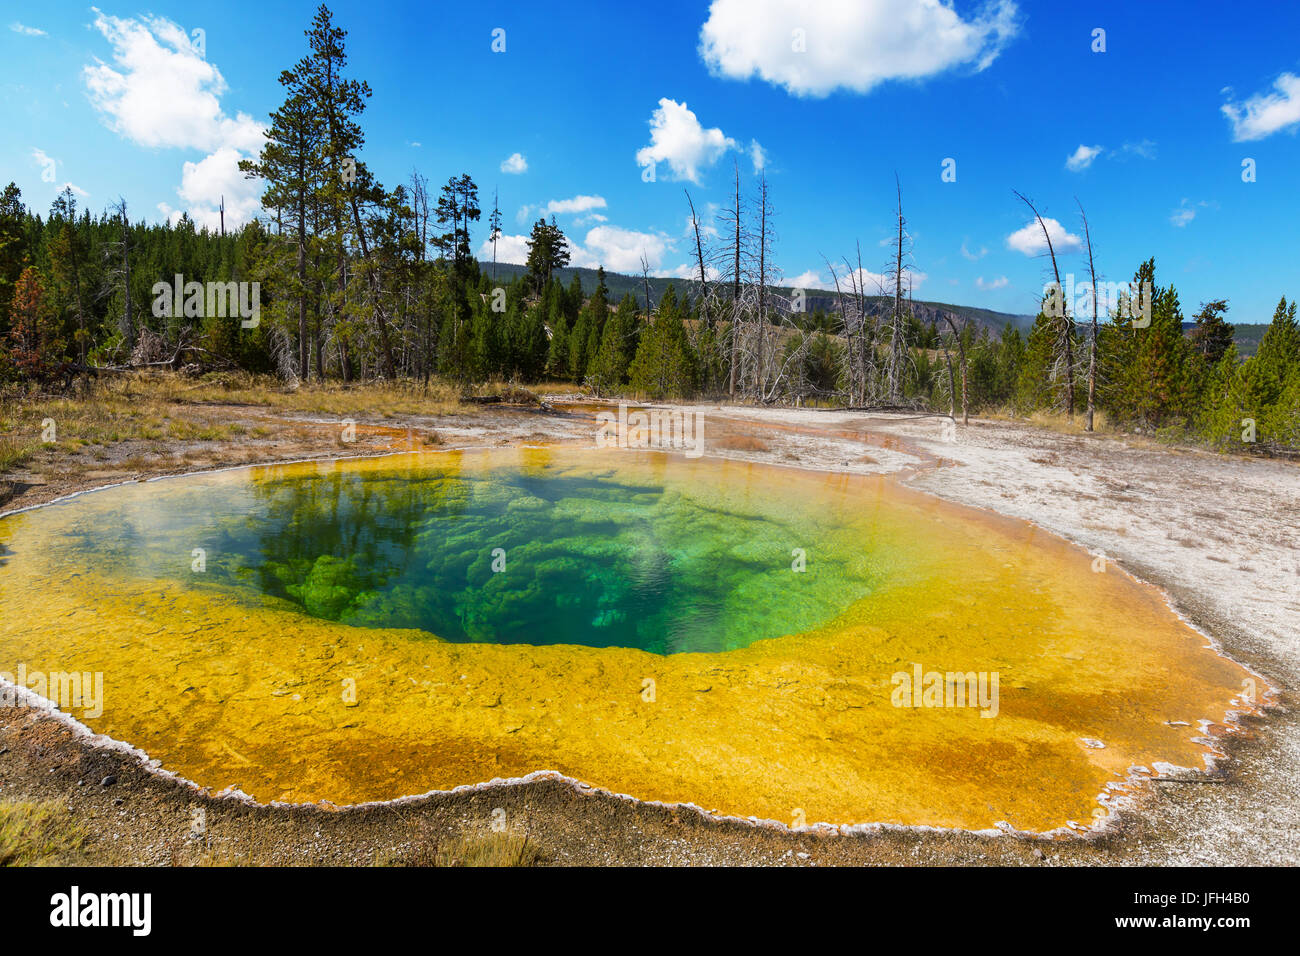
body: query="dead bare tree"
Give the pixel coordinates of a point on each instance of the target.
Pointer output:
(1065, 324)
(1092, 332)
(699, 256)
(645, 281)
(735, 217)
(961, 357)
(898, 267)
(121, 252)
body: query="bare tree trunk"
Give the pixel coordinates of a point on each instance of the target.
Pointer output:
(699, 252)
(1065, 336)
(645, 281)
(1092, 338)
(380, 319)
(762, 286)
(952, 385)
(128, 325)
(961, 357)
(302, 282)
(735, 293)
(896, 333)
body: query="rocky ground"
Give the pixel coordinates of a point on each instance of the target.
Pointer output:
(1220, 535)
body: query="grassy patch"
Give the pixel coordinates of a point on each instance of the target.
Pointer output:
(484, 849)
(38, 834)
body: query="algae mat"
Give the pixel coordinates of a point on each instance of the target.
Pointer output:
(759, 641)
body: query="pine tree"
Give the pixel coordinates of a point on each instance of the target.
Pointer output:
(665, 366)
(548, 251)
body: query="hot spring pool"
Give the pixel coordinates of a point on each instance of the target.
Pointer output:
(752, 639)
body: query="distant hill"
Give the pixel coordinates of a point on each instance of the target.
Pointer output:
(620, 285)
(1247, 338)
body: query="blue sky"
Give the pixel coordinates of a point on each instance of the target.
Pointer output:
(126, 100)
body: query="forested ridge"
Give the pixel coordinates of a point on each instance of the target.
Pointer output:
(359, 282)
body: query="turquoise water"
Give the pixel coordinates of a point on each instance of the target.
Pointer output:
(481, 549)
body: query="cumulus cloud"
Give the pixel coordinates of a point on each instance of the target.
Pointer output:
(1029, 238)
(205, 183)
(812, 49)
(1082, 158)
(615, 248)
(510, 249)
(26, 30)
(620, 250)
(163, 92)
(160, 91)
(514, 164)
(757, 155)
(807, 280)
(679, 139)
(988, 284)
(1266, 113)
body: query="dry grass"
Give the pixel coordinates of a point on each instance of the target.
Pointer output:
(38, 834)
(742, 443)
(484, 849)
(151, 410)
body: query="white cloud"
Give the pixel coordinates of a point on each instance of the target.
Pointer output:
(511, 249)
(165, 93)
(812, 49)
(807, 280)
(708, 220)
(49, 165)
(678, 138)
(26, 30)
(620, 250)
(877, 283)
(1146, 149)
(576, 204)
(203, 184)
(687, 270)
(973, 256)
(161, 91)
(1187, 211)
(1029, 238)
(514, 164)
(1000, 282)
(757, 155)
(1082, 158)
(1266, 113)
(615, 248)
(75, 188)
